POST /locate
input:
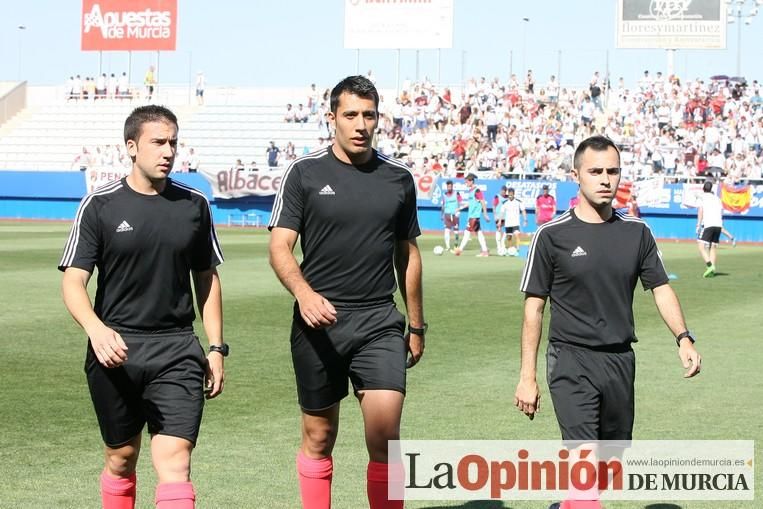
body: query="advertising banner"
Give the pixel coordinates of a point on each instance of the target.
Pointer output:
(380, 24)
(129, 25)
(671, 24)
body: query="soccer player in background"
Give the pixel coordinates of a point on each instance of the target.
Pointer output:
(587, 262)
(477, 208)
(513, 208)
(148, 236)
(709, 227)
(451, 206)
(354, 211)
(498, 201)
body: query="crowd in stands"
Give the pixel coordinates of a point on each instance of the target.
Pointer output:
(99, 88)
(116, 156)
(664, 127)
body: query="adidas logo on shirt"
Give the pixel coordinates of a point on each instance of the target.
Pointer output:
(579, 251)
(124, 226)
(327, 191)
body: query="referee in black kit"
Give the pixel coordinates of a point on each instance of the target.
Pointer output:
(148, 236)
(354, 211)
(588, 261)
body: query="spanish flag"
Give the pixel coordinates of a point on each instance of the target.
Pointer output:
(736, 199)
(623, 194)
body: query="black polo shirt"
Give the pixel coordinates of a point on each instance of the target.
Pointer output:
(590, 272)
(144, 247)
(349, 219)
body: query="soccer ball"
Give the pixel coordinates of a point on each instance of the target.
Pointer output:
(438, 250)
(501, 251)
(512, 251)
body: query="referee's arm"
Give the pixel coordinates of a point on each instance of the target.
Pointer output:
(527, 396)
(670, 311)
(408, 268)
(315, 310)
(209, 299)
(107, 344)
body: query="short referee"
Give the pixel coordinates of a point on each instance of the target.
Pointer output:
(148, 236)
(588, 261)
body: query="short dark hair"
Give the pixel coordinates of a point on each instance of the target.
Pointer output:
(449, 183)
(355, 85)
(471, 177)
(509, 189)
(708, 186)
(597, 143)
(144, 114)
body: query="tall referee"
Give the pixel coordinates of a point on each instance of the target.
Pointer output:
(148, 236)
(588, 261)
(354, 211)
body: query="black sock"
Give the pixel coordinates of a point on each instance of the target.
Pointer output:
(709, 264)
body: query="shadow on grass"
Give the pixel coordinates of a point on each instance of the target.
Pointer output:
(475, 504)
(662, 506)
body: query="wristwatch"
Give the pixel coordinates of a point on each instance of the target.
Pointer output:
(222, 349)
(419, 331)
(685, 334)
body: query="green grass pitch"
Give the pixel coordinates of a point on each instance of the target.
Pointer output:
(50, 451)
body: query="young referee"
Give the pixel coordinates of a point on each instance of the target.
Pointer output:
(588, 261)
(148, 236)
(354, 212)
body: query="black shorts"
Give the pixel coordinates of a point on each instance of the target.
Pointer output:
(365, 345)
(162, 384)
(711, 234)
(592, 391)
(511, 229)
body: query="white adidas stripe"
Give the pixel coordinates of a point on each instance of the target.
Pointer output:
(278, 202)
(633, 219)
(212, 232)
(566, 216)
(73, 241)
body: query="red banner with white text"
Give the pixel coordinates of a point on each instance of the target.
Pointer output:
(129, 25)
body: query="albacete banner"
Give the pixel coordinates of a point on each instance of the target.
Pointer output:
(129, 25)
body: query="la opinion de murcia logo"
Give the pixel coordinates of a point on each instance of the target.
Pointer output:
(146, 24)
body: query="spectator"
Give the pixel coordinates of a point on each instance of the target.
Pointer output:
(274, 154)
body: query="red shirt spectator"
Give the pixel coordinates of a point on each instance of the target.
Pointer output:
(545, 207)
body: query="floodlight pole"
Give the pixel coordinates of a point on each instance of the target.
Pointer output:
(21, 34)
(739, 42)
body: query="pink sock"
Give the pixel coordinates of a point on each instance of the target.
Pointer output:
(315, 481)
(175, 495)
(117, 492)
(581, 504)
(376, 486)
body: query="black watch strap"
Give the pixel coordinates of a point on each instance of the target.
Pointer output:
(222, 349)
(419, 331)
(685, 334)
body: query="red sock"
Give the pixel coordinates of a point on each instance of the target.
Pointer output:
(175, 495)
(117, 492)
(376, 486)
(315, 481)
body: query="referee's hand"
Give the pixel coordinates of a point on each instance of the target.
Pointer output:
(109, 347)
(527, 398)
(415, 345)
(316, 311)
